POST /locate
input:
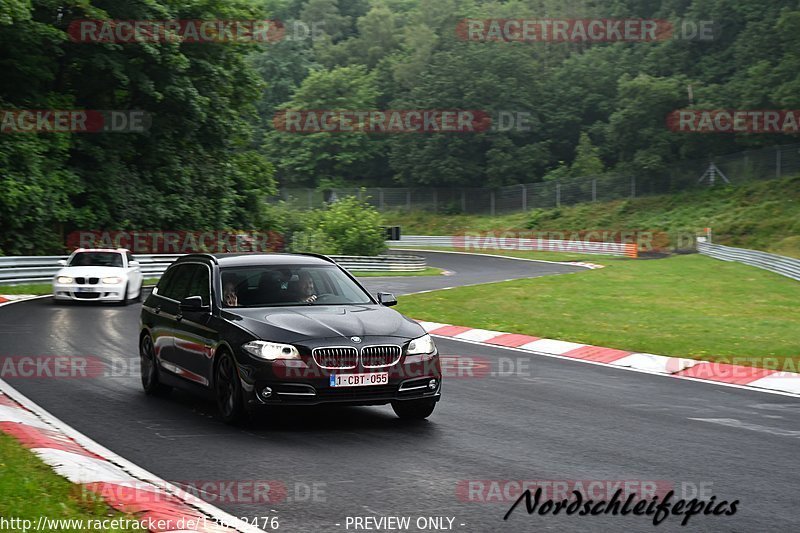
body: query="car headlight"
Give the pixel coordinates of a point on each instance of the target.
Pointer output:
(421, 345)
(271, 351)
(114, 280)
(65, 280)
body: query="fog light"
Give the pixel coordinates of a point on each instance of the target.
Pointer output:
(266, 393)
(432, 384)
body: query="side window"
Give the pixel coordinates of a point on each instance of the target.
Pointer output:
(199, 285)
(130, 258)
(177, 283)
(162, 288)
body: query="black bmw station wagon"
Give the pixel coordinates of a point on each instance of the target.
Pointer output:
(283, 329)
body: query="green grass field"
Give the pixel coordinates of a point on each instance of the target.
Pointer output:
(758, 215)
(689, 306)
(30, 489)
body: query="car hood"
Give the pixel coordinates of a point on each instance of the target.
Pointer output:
(91, 271)
(295, 324)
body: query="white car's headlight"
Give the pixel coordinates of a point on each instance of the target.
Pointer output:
(271, 351)
(65, 280)
(421, 345)
(113, 280)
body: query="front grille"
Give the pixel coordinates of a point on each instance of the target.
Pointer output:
(336, 358)
(357, 393)
(94, 281)
(87, 295)
(380, 356)
(80, 281)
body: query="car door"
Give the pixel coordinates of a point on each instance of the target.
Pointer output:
(196, 338)
(166, 310)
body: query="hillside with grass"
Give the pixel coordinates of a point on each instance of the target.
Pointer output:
(760, 215)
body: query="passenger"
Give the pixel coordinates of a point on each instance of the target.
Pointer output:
(229, 295)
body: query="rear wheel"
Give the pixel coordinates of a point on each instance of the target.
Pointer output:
(149, 368)
(228, 390)
(414, 409)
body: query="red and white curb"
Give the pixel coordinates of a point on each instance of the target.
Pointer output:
(4, 299)
(158, 505)
(720, 373)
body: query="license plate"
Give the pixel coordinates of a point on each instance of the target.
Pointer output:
(85, 289)
(359, 380)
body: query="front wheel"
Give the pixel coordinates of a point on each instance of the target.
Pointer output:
(228, 389)
(414, 409)
(149, 369)
(125, 300)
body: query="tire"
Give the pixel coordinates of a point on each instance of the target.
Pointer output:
(125, 300)
(149, 369)
(138, 298)
(228, 390)
(414, 409)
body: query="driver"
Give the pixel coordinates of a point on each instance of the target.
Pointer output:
(306, 292)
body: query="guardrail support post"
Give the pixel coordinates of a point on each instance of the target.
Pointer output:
(594, 190)
(408, 199)
(558, 194)
(435, 201)
(778, 162)
(380, 198)
(492, 202)
(524, 197)
(463, 201)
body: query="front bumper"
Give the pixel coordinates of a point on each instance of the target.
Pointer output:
(89, 293)
(276, 384)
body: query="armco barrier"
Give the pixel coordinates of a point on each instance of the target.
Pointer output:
(33, 269)
(488, 243)
(785, 266)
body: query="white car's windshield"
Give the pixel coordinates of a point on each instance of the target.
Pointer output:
(288, 285)
(103, 259)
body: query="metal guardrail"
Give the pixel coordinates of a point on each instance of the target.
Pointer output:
(490, 242)
(38, 269)
(785, 266)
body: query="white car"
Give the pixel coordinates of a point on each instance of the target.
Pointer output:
(99, 275)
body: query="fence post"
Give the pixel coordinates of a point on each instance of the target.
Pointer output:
(594, 190)
(778, 162)
(633, 186)
(408, 199)
(491, 203)
(558, 194)
(524, 197)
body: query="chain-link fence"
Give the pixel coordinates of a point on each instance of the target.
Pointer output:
(734, 169)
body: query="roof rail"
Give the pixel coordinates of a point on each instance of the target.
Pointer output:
(318, 256)
(200, 255)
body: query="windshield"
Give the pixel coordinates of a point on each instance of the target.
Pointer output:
(287, 285)
(102, 259)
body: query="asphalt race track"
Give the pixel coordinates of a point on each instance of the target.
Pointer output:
(544, 419)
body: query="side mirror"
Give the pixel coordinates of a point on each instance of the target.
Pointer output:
(133, 264)
(193, 304)
(62, 262)
(387, 299)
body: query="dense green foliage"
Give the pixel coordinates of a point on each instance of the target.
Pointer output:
(346, 227)
(594, 107)
(195, 168)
